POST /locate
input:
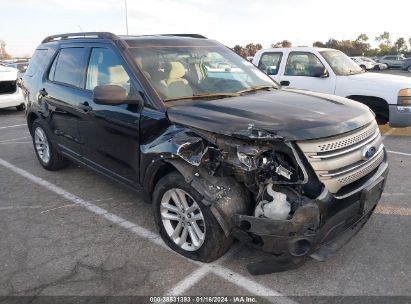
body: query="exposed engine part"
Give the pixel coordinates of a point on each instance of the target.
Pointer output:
(277, 209)
(277, 167)
(280, 170)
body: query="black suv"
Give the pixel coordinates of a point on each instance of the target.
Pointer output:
(219, 149)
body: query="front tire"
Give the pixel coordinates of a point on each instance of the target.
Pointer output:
(46, 152)
(185, 224)
(409, 69)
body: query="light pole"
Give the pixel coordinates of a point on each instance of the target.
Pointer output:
(125, 4)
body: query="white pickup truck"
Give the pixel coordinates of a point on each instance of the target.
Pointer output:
(331, 71)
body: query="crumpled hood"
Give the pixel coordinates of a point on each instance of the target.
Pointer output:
(8, 73)
(290, 114)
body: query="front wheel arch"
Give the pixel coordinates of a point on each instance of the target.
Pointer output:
(377, 104)
(31, 117)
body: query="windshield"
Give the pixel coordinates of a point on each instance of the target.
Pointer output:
(341, 63)
(181, 72)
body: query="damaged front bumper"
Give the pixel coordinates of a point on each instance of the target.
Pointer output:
(317, 229)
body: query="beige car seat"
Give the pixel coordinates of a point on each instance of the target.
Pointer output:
(176, 85)
(118, 76)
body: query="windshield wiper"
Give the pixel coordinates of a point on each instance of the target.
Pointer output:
(205, 95)
(222, 94)
(257, 88)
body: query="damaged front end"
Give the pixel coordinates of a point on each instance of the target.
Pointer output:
(262, 190)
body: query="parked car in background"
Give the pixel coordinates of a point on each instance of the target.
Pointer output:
(377, 65)
(392, 61)
(406, 65)
(365, 65)
(331, 71)
(21, 66)
(10, 93)
(291, 172)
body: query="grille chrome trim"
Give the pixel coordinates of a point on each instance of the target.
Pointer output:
(352, 148)
(339, 142)
(376, 155)
(343, 163)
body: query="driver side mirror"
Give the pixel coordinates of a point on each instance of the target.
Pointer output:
(113, 95)
(320, 72)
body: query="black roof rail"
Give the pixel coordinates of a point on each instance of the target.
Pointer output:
(105, 35)
(187, 35)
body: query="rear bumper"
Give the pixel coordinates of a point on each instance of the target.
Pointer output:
(317, 229)
(11, 100)
(400, 116)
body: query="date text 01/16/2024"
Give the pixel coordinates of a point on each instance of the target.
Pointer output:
(204, 299)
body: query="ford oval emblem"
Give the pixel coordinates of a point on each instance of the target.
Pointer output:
(368, 152)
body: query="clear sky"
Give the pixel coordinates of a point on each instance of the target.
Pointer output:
(24, 23)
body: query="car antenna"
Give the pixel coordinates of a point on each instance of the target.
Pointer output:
(81, 30)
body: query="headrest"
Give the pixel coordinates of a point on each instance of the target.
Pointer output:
(118, 75)
(139, 62)
(177, 70)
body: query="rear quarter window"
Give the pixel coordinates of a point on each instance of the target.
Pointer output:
(69, 68)
(36, 62)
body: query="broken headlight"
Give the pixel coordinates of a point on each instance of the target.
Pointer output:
(270, 165)
(275, 166)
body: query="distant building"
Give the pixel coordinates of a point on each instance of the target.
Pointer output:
(3, 49)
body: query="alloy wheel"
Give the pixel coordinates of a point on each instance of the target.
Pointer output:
(182, 219)
(42, 145)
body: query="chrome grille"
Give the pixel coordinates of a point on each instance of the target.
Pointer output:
(348, 140)
(339, 161)
(363, 172)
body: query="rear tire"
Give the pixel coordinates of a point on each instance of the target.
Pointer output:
(172, 192)
(44, 148)
(409, 69)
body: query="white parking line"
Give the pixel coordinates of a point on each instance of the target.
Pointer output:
(72, 205)
(198, 274)
(13, 139)
(13, 126)
(19, 207)
(399, 153)
(140, 231)
(189, 281)
(235, 278)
